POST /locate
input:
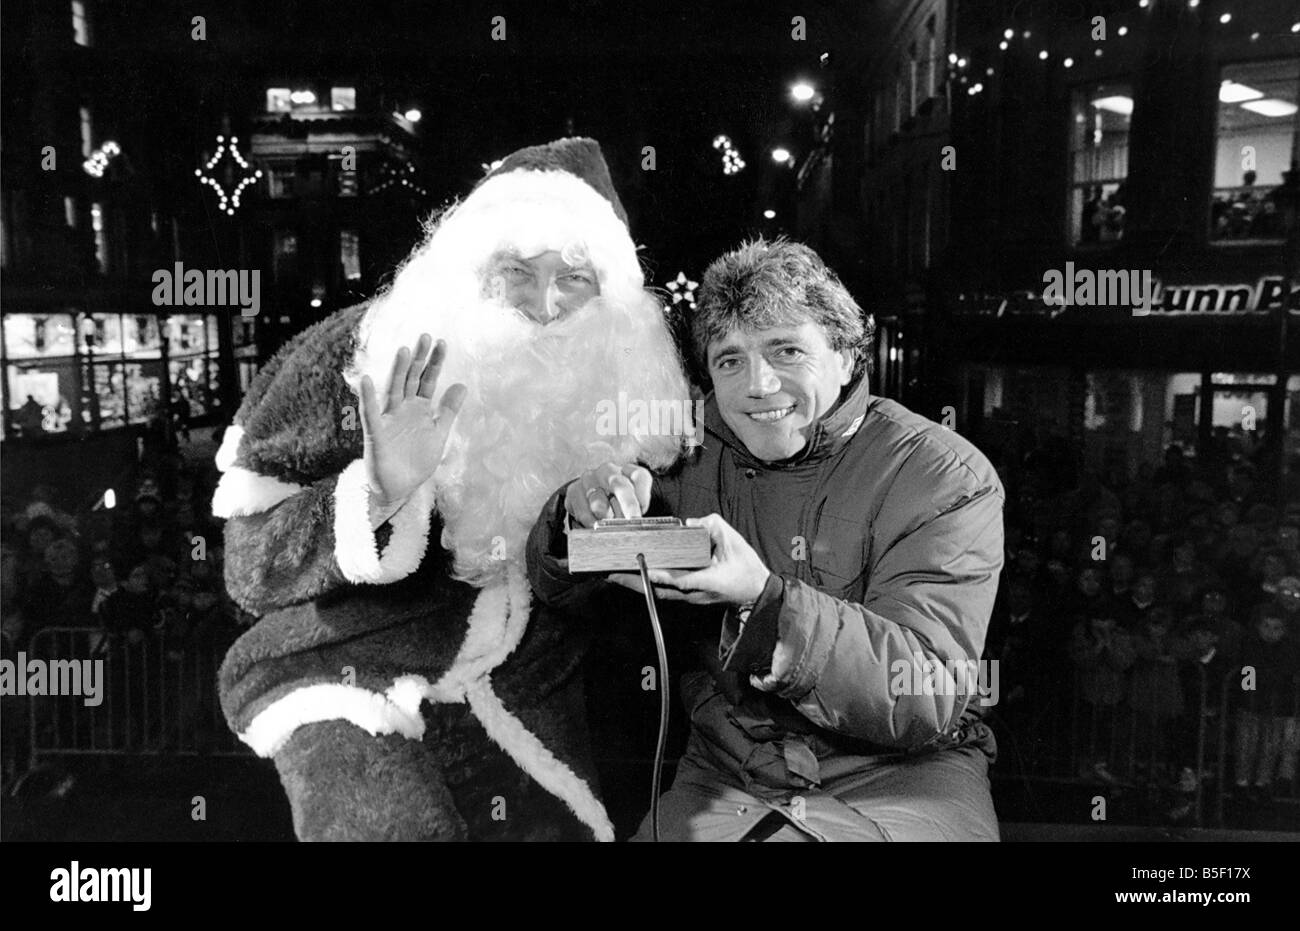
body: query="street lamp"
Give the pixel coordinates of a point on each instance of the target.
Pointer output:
(802, 91)
(413, 115)
(781, 155)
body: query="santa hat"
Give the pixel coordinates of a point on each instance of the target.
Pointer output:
(542, 198)
(576, 156)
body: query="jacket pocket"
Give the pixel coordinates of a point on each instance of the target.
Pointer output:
(837, 556)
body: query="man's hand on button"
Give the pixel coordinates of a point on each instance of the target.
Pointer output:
(608, 491)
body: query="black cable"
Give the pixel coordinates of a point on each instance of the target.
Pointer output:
(663, 696)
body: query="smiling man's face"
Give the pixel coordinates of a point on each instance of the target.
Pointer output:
(773, 384)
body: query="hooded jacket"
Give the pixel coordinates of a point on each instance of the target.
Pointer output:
(884, 539)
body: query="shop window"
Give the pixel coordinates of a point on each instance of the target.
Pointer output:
(185, 335)
(277, 100)
(247, 372)
(99, 225)
(1099, 126)
(1253, 146)
(109, 382)
(350, 254)
(41, 375)
(285, 255)
(143, 390)
(912, 77)
(40, 396)
(101, 335)
(281, 182)
(189, 382)
(87, 132)
(343, 98)
(38, 336)
(931, 63)
(243, 331)
(141, 337)
(80, 24)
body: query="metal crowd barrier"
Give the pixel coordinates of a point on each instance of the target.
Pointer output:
(1060, 737)
(157, 697)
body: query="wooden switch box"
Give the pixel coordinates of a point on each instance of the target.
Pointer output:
(612, 545)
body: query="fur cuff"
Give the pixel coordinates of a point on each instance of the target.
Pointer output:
(225, 457)
(242, 492)
(354, 539)
(373, 712)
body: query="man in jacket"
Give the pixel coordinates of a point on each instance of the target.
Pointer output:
(856, 548)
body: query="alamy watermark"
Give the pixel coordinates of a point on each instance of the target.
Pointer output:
(1104, 287)
(922, 675)
(79, 883)
(215, 287)
(639, 417)
(80, 677)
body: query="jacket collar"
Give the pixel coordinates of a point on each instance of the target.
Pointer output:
(827, 437)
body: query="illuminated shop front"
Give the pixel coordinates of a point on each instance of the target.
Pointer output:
(1199, 366)
(76, 372)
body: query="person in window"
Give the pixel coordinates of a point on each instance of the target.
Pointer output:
(802, 726)
(1090, 231)
(1111, 217)
(30, 417)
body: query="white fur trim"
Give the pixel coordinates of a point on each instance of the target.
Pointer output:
(225, 457)
(509, 733)
(536, 211)
(496, 626)
(354, 539)
(242, 492)
(374, 713)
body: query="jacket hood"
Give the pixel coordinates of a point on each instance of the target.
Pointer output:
(827, 437)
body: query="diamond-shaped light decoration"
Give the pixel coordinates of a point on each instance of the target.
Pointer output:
(229, 202)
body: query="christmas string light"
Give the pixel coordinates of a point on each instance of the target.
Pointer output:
(401, 177)
(228, 203)
(97, 164)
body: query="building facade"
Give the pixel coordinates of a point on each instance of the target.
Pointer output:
(92, 204)
(1017, 165)
(342, 195)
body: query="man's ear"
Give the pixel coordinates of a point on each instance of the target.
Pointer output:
(847, 357)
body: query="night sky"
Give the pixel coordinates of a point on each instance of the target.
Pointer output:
(669, 75)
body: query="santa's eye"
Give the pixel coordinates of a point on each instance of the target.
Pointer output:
(578, 277)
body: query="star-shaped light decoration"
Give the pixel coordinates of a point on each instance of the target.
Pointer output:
(229, 202)
(683, 289)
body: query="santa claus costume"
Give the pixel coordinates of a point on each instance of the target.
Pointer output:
(401, 678)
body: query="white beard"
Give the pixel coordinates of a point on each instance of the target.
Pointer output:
(529, 420)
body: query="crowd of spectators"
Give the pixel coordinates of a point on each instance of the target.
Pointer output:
(142, 569)
(140, 582)
(1131, 608)
(1141, 618)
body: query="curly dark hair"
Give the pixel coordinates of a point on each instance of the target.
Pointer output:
(765, 284)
